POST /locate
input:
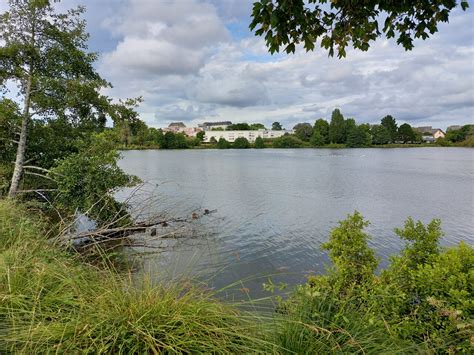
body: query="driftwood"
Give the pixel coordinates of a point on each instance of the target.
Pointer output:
(102, 235)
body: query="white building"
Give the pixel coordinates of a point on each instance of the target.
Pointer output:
(231, 136)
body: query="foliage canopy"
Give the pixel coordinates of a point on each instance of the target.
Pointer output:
(339, 24)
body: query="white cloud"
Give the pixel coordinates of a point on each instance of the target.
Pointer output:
(182, 57)
(164, 37)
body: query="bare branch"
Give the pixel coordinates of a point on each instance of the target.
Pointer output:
(40, 169)
(36, 190)
(40, 175)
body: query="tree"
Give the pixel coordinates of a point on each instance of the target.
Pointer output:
(10, 119)
(86, 182)
(459, 135)
(223, 144)
(287, 23)
(276, 126)
(337, 127)
(380, 134)
(257, 126)
(405, 133)
(322, 126)
(180, 141)
(200, 135)
(287, 141)
(241, 143)
(417, 137)
(391, 125)
(259, 143)
(357, 137)
(160, 138)
(239, 127)
(303, 131)
(317, 140)
(349, 125)
(44, 54)
(168, 141)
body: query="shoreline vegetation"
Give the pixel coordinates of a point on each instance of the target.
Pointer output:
(52, 299)
(329, 146)
(336, 133)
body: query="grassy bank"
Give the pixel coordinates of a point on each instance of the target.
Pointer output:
(52, 301)
(55, 301)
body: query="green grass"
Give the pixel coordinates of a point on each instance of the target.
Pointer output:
(51, 301)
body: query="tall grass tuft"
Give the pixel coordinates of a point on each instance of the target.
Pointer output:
(50, 301)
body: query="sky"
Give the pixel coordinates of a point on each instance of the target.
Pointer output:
(196, 61)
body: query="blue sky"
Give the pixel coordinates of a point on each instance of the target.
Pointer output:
(196, 60)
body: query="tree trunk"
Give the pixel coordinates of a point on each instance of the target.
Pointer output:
(20, 153)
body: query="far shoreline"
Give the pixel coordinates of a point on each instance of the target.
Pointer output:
(384, 146)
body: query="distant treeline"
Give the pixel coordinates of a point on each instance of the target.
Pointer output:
(338, 132)
(341, 131)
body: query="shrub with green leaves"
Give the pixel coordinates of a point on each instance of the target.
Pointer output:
(287, 141)
(241, 143)
(87, 180)
(428, 293)
(259, 143)
(354, 262)
(424, 299)
(223, 144)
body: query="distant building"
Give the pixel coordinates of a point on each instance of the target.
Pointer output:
(180, 127)
(424, 129)
(175, 127)
(453, 128)
(434, 132)
(208, 126)
(438, 133)
(231, 136)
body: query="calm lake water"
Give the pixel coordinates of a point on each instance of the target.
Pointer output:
(274, 208)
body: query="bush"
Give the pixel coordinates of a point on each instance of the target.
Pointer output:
(241, 143)
(443, 142)
(354, 262)
(6, 172)
(172, 140)
(86, 182)
(287, 141)
(425, 297)
(259, 143)
(223, 144)
(429, 293)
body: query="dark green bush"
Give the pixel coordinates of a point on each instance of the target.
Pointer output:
(287, 141)
(241, 143)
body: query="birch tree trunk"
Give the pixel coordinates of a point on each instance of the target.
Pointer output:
(20, 154)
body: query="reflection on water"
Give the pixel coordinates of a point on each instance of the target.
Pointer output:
(274, 208)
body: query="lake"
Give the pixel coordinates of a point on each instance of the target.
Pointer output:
(272, 209)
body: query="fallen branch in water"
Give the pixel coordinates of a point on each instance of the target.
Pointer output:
(123, 231)
(105, 234)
